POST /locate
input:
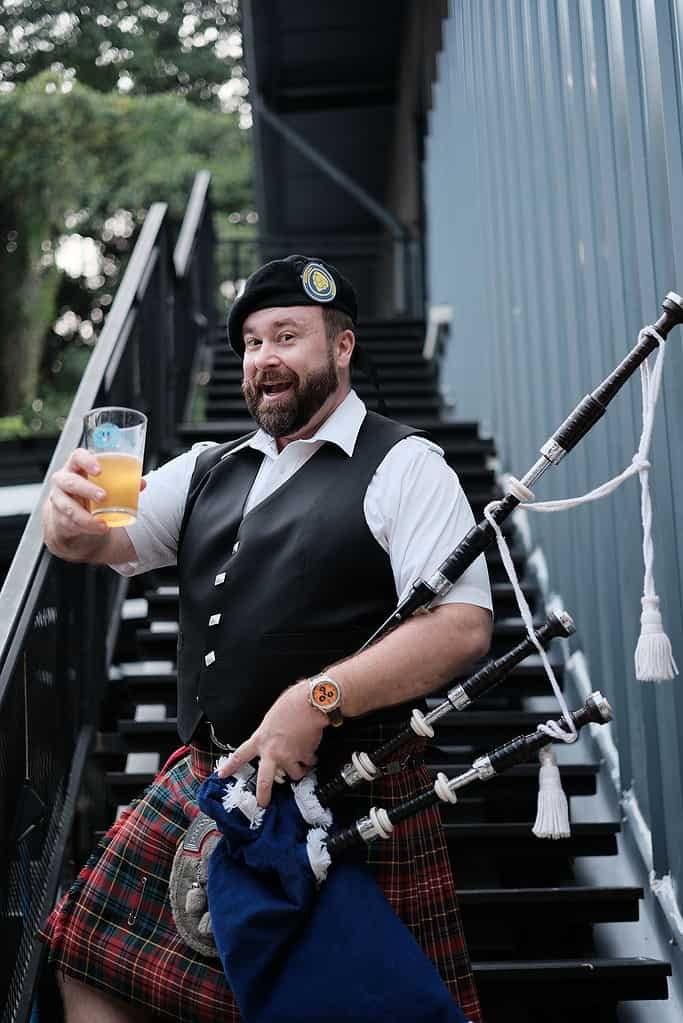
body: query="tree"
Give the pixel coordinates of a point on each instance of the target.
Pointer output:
(74, 158)
(190, 47)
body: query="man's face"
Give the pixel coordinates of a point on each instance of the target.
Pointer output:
(289, 369)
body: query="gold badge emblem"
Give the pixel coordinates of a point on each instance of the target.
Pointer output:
(318, 283)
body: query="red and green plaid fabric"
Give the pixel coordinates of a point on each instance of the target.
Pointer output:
(114, 928)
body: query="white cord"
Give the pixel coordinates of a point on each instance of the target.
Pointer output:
(551, 728)
(653, 658)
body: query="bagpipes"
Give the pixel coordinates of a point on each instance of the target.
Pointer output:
(366, 767)
(271, 914)
(380, 823)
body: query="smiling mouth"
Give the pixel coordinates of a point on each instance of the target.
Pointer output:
(274, 390)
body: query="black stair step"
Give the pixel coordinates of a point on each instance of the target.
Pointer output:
(559, 988)
(589, 902)
(515, 841)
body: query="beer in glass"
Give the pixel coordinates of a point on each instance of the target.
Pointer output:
(117, 437)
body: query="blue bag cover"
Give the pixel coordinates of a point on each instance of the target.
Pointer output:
(296, 953)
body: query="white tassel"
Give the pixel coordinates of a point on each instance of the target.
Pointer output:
(552, 816)
(204, 926)
(654, 657)
(318, 856)
(310, 807)
(239, 797)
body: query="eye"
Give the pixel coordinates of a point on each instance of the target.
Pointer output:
(287, 336)
(252, 343)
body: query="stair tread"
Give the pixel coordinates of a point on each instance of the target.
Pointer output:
(589, 968)
(555, 894)
(504, 829)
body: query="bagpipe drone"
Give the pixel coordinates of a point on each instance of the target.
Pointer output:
(284, 905)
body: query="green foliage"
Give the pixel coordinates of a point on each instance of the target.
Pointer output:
(75, 157)
(78, 149)
(13, 426)
(190, 47)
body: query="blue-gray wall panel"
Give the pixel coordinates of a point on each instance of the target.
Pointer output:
(554, 194)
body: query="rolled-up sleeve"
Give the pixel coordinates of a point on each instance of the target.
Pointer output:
(417, 511)
(155, 532)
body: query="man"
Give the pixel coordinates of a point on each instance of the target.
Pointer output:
(292, 546)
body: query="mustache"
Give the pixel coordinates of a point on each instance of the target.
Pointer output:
(266, 377)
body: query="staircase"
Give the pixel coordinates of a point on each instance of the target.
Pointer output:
(528, 921)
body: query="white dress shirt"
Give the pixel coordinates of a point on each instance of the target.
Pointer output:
(414, 505)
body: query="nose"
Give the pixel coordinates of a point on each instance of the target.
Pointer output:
(266, 355)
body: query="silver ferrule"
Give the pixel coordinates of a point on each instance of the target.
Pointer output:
(366, 830)
(438, 712)
(535, 472)
(458, 697)
(466, 778)
(566, 621)
(351, 775)
(438, 583)
(553, 451)
(483, 768)
(675, 297)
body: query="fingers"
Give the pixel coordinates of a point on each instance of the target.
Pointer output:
(71, 518)
(143, 483)
(83, 462)
(297, 771)
(264, 780)
(242, 755)
(70, 493)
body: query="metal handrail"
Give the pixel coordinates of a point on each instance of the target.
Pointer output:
(56, 631)
(190, 228)
(30, 551)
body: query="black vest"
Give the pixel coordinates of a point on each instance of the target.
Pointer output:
(280, 593)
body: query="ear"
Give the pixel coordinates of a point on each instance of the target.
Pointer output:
(344, 344)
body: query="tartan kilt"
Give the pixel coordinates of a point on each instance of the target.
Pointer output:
(114, 929)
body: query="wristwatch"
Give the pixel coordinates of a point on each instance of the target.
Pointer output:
(325, 694)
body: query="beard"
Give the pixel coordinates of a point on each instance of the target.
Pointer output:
(288, 415)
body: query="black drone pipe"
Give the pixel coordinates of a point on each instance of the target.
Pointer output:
(380, 823)
(460, 696)
(577, 424)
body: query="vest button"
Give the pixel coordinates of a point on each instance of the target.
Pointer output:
(235, 547)
(214, 620)
(220, 579)
(209, 658)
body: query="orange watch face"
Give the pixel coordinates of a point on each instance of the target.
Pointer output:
(325, 695)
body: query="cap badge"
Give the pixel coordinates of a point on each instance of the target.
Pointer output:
(318, 283)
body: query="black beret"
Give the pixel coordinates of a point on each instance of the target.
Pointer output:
(296, 280)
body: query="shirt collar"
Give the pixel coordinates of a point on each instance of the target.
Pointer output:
(341, 428)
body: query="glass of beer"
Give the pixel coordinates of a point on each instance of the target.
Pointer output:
(117, 437)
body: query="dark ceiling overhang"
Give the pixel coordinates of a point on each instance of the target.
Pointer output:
(336, 89)
(330, 72)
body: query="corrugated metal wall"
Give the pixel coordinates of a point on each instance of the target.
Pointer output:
(554, 195)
